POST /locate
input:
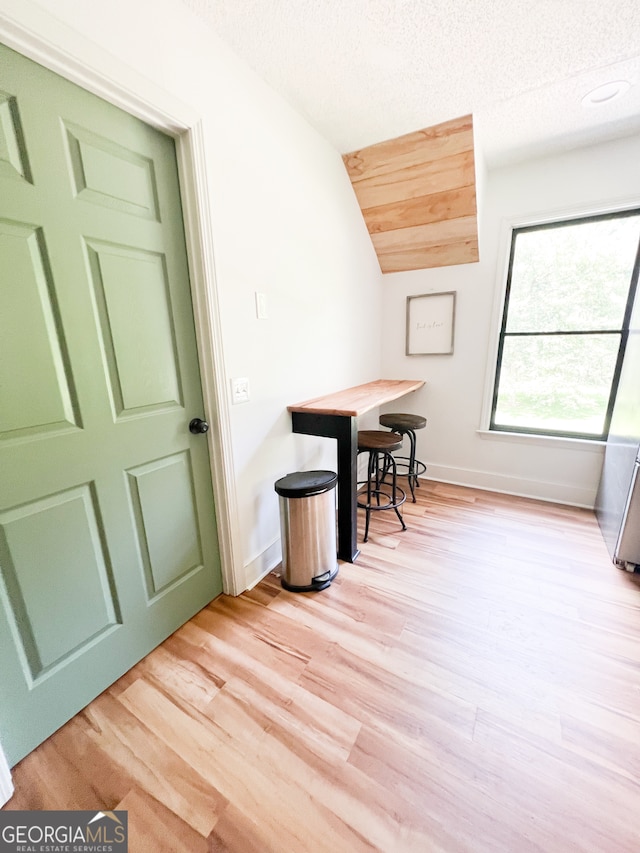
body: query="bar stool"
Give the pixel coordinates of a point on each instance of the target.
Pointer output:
(406, 424)
(379, 445)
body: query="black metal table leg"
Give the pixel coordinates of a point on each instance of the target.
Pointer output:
(345, 430)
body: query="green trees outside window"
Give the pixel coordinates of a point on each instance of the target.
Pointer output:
(570, 289)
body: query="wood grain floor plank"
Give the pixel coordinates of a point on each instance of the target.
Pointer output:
(470, 685)
(276, 649)
(219, 755)
(368, 692)
(605, 743)
(290, 712)
(158, 829)
(338, 789)
(441, 779)
(160, 771)
(49, 779)
(561, 781)
(237, 831)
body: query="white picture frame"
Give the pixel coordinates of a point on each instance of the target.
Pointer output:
(430, 323)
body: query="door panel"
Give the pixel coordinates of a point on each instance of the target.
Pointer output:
(13, 156)
(30, 337)
(168, 534)
(138, 338)
(108, 174)
(76, 578)
(107, 523)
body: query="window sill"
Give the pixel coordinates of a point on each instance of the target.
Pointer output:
(581, 444)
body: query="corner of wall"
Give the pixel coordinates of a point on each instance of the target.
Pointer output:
(261, 565)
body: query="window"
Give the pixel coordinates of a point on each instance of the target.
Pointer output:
(570, 290)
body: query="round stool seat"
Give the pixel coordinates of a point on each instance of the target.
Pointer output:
(407, 424)
(375, 495)
(376, 439)
(403, 421)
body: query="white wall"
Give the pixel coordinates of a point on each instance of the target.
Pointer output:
(455, 396)
(6, 782)
(285, 223)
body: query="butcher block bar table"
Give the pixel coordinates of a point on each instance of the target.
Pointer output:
(335, 416)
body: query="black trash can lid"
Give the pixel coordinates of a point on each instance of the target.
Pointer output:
(303, 484)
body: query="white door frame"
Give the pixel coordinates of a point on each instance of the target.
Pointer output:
(74, 57)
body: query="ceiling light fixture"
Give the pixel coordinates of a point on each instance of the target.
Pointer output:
(605, 93)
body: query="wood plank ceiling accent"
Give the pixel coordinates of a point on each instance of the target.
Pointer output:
(418, 197)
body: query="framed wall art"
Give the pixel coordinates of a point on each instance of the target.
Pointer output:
(430, 323)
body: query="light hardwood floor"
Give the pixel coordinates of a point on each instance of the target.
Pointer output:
(472, 684)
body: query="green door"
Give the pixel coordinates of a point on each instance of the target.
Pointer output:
(107, 529)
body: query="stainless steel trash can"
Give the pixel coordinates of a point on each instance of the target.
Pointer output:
(308, 526)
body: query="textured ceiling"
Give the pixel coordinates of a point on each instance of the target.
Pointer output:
(363, 71)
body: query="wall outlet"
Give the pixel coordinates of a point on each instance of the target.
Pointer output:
(240, 390)
(261, 306)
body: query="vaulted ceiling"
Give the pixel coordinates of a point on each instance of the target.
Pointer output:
(417, 194)
(365, 71)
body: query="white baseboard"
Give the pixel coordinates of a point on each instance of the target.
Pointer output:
(561, 493)
(6, 784)
(261, 565)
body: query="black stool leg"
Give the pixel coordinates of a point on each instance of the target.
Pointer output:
(376, 454)
(414, 463)
(380, 464)
(412, 478)
(412, 467)
(370, 471)
(393, 490)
